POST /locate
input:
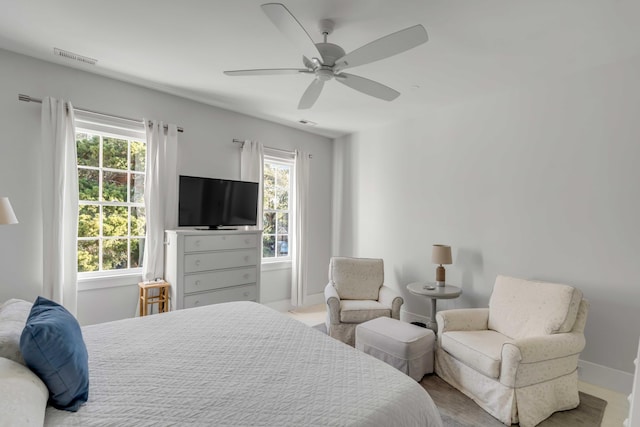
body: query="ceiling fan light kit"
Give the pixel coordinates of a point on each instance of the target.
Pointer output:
(327, 60)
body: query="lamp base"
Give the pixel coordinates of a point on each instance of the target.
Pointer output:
(440, 284)
(440, 274)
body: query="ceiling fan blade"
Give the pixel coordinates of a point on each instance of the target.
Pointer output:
(309, 63)
(384, 47)
(368, 87)
(267, 72)
(291, 28)
(310, 95)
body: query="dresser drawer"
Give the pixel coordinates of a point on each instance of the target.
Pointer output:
(237, 293)
(217, 260)
(219, 279)
(214, 243)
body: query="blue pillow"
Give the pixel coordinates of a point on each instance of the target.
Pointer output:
(52, 347)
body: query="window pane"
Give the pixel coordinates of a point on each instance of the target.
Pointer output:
(137, 252)
(268, 246)
(269, 223)
(89, 221)
(88, 255)
(282, 176)
(282, 198)
(283, 223)
(283, 245)
(114, 254)
(114, 186)
(114, 222)
(114, 153)
(88, 149)
(138, 222)
(137, 188)
(138, 156)
(268, 187)
(88, 184)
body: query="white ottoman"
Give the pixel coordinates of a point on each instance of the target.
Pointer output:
(402, 345)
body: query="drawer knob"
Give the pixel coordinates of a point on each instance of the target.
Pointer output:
(246, 258)
(246, 294)
(197, 242)
(246, 275)
(197, 262)
(197, 282)
(197, 302)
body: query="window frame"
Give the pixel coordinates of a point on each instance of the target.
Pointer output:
(116, 277)
(279, 158)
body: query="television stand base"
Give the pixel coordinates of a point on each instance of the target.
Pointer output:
(215, 227)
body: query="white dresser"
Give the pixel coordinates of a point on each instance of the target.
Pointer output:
(210, 267)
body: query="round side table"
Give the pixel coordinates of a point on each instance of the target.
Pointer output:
(434, 292)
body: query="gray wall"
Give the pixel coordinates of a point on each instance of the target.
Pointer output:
(539, 183)
(205, 148)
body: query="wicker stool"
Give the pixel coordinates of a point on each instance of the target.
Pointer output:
(162, 297)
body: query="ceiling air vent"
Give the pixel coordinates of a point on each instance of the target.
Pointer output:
(307, 122)
(74, 56)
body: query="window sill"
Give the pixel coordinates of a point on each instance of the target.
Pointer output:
(276, 265)
(111, 281)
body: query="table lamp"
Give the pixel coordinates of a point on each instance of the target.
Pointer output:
(6, 212)
(441, 254)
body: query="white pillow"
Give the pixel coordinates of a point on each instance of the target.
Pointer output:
(13, 316)
(24, 395)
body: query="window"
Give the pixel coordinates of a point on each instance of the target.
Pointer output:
(277, 188)
(111, 220)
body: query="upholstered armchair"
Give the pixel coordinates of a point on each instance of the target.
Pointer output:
(518, 358)
(356, 293)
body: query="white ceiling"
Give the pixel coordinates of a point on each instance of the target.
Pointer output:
(475, 47)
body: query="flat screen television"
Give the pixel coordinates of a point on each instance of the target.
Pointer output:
(215, 203)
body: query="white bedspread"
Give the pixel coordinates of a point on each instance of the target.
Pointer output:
(238, 364)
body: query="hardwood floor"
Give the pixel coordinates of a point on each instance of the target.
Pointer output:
(617, 404)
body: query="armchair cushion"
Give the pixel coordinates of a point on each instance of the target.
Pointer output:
(480, 350)
(358, 311)
(357, 278)
(521, 308)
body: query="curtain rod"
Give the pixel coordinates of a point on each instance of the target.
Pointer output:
(28, 98)
(241, 141)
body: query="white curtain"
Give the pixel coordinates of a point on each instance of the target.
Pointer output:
(59, 203)
(160, 194)
(252, 169)
(299, 248)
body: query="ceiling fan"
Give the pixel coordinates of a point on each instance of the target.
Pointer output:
(327, 60)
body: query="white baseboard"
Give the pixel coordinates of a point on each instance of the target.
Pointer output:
(285, 304)
(407, 316)
(314, 299)
(606, 377)
(592, 373)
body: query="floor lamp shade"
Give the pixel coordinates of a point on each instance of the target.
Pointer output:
(441, 254)
(6, 212)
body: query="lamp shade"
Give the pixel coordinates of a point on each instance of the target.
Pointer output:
(6, 212)
(441, 254)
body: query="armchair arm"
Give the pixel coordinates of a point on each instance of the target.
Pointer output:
(332, 299)
(537, 359)
(546, 347)
(462, 319)
(388, 297)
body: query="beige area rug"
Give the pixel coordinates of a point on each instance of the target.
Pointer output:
(457, 410)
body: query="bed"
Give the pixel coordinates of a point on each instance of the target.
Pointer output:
(237, 364)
